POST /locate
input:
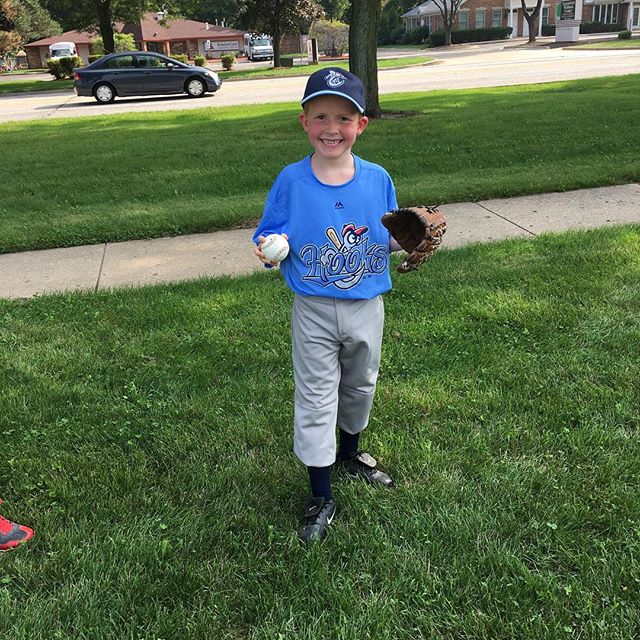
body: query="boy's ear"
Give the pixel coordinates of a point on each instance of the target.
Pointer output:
(303, 120)
(362, 124)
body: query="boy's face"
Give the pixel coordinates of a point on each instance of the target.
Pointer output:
(332, 125)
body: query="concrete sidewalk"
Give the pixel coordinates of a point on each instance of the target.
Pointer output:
(141, 262)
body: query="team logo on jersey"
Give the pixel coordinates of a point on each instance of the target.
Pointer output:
(346, 259)
(339, 205)
(335, 79)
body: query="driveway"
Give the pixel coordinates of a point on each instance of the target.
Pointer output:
(469, 67)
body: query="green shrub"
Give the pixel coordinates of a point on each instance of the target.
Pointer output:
(625, 35)
(599, 27)
(62, 68)
(390, 35)
(332, 36)
(94, 56)
(55, 69)
(438, 38)
(228, 60)
(121, 42)
(69, 63)
(415, 36)
(180, 57)
(548, 29)
(396, 35)
(199, 61)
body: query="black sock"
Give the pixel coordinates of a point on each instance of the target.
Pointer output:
(320, 480)
(348, 444)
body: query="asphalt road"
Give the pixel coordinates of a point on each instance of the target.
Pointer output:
(468, 67)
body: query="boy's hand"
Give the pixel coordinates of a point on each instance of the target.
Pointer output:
(258, 251)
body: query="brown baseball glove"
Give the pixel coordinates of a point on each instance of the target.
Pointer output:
(418, 230)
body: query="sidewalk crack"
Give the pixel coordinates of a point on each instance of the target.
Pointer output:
(104, 253)
(515, 224)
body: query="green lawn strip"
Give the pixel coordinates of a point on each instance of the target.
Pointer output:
(16, 72)
(20, 86)
(147, 437)
(23, 86)
(611, 44)
(308, 69)
(145, 175)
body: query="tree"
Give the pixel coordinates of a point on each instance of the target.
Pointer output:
(532, 18)
(228, 12)
(391, 25)
(363, 41)
(122, 41)
(332, 37)
(277, 17)
(9, 38)
(334, 9)
(23, 21)
(33, 21)
(449, 10)
(101, 15)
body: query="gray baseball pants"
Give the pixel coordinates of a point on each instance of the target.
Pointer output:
(336, 356)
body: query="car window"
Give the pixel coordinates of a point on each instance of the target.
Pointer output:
(151, 62)
(122, 62)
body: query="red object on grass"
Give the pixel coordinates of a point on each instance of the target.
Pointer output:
(13, 535)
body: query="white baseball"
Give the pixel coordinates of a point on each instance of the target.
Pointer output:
(275, 247)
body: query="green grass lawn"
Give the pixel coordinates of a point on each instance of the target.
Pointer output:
(146, 434)
(308, 69)
(24, 86)
(144, 175)
(16, 72)
(21, 86)
(612, 44)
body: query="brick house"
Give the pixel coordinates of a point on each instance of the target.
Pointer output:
(480, 14)
(151, 34)
(624, 13)
(183, 36)
(38, 51)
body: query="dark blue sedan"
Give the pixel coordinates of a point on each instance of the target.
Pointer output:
(142, 73)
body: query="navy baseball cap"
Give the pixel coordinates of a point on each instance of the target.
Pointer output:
(333, 81)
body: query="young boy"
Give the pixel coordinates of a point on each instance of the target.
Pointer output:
(329, 206)
(13, 535)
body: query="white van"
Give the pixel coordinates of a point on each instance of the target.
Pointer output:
(258, 47)
(62, 50)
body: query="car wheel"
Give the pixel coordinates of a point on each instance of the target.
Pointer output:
(195, 88)
(104, 93)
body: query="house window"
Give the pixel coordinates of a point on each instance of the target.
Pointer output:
(606, 13)
(545, 15)
(496, 17)
(480, 19)
(463, 20)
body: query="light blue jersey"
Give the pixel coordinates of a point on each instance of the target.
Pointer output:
(338, 246)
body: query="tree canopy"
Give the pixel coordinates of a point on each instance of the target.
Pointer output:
(277, 17)
(23, 21)
(100, 15)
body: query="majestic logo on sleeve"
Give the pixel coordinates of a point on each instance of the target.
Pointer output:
(346, 259)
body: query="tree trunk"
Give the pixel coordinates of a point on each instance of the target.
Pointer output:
(532, 19)
(106, 25)
(363, 45)
(277, 37)
(447, 36)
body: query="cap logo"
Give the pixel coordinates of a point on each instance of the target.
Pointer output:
(335, 79)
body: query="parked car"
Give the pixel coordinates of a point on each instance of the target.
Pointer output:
(258, 47)
(62, 50)
(142, 73)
